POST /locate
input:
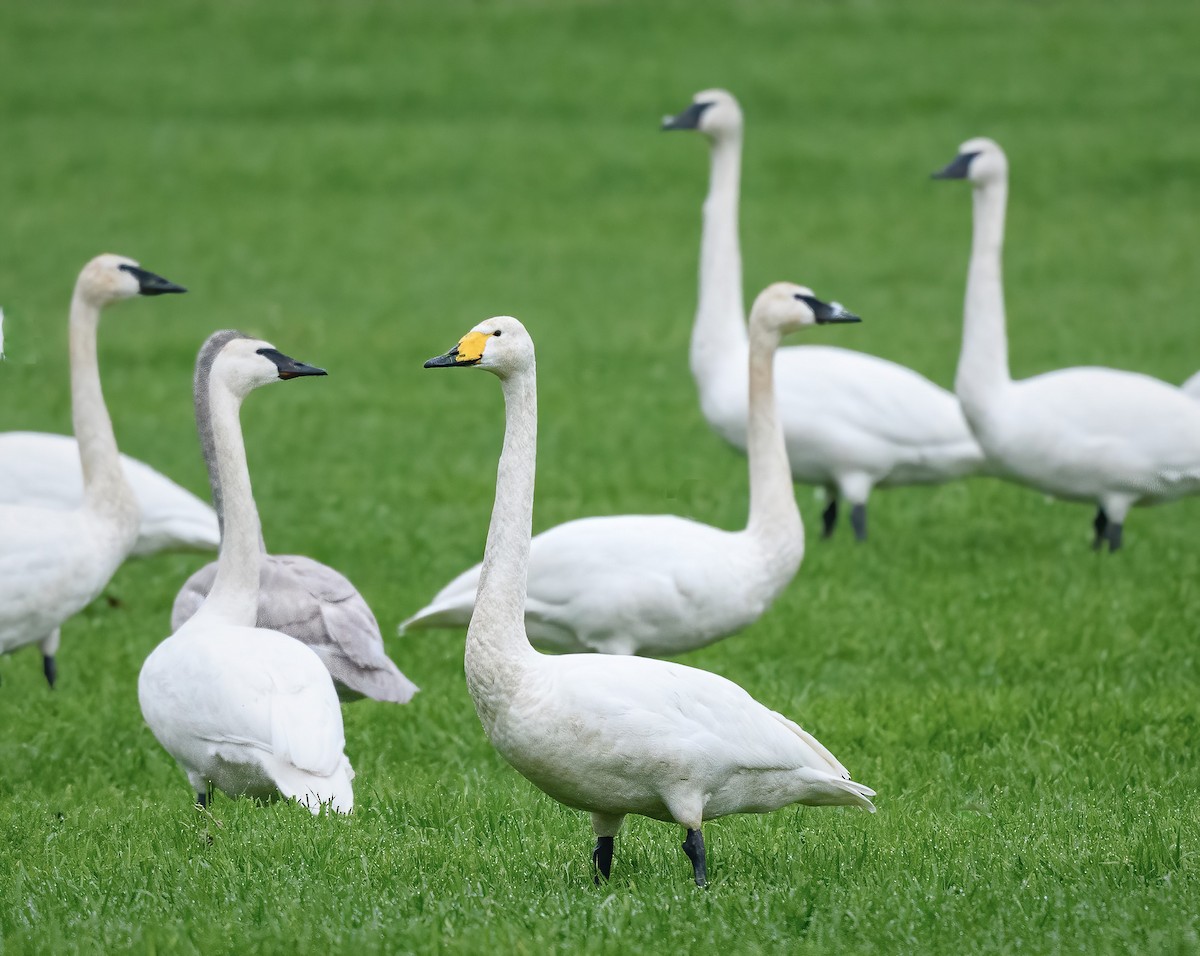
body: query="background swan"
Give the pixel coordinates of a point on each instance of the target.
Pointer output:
(1089, 434)
(301, 597)
(614, 735)
(659, 584)
(245, 709)
(54, 562)
(43, 470)
(852, 421)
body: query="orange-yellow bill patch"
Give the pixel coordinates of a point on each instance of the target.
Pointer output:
(470, 347)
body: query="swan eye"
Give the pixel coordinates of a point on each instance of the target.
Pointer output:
(496, 333)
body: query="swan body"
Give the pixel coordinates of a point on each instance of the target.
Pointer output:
(1192, 386)
(614, 735)
(245, 709)
(1111, 437)
(313, 603)
(54, 562)
(659, 584)
(41, 469)
(852, 421)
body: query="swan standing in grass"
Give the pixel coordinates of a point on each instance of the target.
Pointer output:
(852, 421)
(613, 735)
(1087, 434)
(245, 709)
(43, 470)
(659, 584)
(55, 562)
(304, 599)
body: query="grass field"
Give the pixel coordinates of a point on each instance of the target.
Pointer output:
(361, 183)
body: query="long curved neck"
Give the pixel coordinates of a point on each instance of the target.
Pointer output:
(234, 595)
(719, 333)
(774, 516)
(105, 489)
(497, 647)
(983, 362)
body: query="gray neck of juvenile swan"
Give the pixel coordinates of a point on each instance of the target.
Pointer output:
(204, 427)
(719, 344)
(774, 515)
(234, 595)
(498, 650)
(983, 361)
(106, 492)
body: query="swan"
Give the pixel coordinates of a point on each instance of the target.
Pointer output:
(659, 584)
(852, 421)
(1115, 438)
(42, 469)
(304, 599)
(245, 709)
(54, 562)
(613, 735)
(1192, 386)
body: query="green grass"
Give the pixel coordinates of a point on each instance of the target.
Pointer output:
(361, 183)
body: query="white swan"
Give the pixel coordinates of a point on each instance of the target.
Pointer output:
(613, 735)
(852, 421)
(54, 562)
(303, 598)
(43, 470)
(245, 709)
(1192, 386)
(1088, 434)
(659, 584)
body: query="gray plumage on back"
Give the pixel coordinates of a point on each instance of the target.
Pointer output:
(298, 596)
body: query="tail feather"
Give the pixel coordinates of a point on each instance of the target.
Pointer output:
(823, 790)
(452, 613)
(313, 792)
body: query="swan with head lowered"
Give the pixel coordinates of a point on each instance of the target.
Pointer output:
(660, 584)
(54, 562)
(245, 709)
(603, 734)
(851, 421)
(1114, 438)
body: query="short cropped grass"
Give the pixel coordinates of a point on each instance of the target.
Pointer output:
(361, 183)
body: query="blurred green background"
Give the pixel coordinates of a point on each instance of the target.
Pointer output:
(361, 183)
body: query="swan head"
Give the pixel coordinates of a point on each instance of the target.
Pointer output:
(109, 278)
(499, 344)
(713, 112)
(785, 307)
(243, 364)
(979, 160)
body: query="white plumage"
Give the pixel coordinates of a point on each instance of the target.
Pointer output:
(1192, 386)
(852, 421)
(54, 562)
(245, 709)
(1115, 438)
(614, 735)
(660, 584)
(41, 469)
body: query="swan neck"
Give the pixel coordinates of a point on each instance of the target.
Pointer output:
(106, 490)
(498, 649)
(234, 595)
(774, 515)
(983, 362)
(719, 334)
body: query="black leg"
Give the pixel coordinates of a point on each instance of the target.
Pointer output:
(829, 517)
(1114, 536)
(202, 799)
(1100, 523)
(693, 846)
(50, 669)
(858, 521)
(602, 858)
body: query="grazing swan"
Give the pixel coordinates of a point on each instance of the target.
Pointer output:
(658, 584)
(54, 562)
(304, 599)
(245, 709)
(42, 469)
(852, 421)
(613, 735)
(1192, 386)
(1086, 434)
